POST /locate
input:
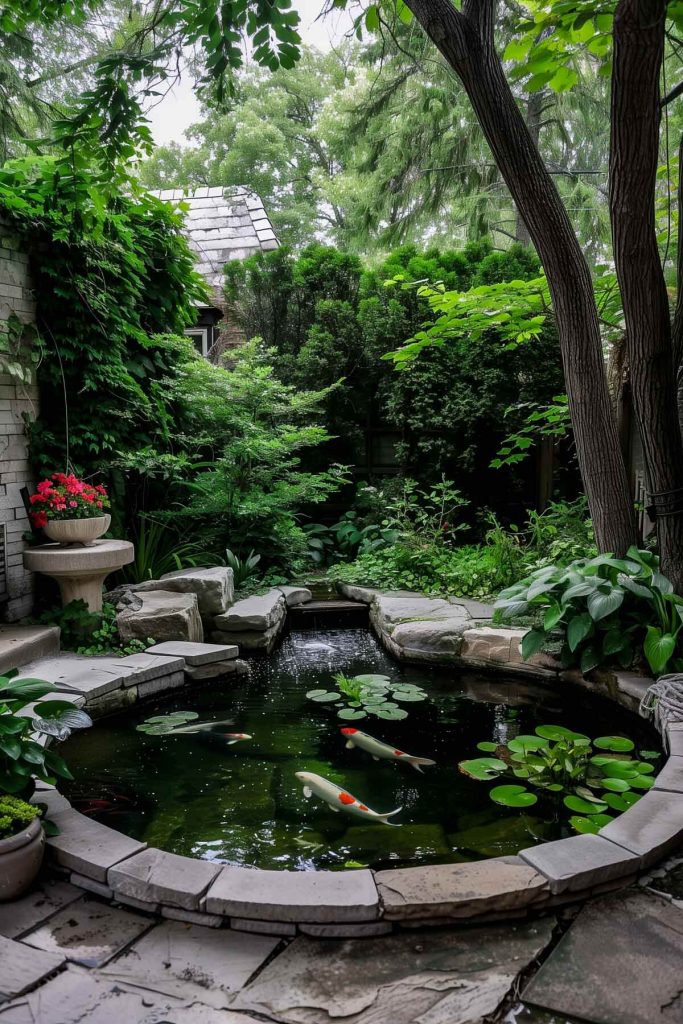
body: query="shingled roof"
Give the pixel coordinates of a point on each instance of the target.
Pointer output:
(222, 224)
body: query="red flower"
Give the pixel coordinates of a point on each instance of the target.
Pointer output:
(39, 519)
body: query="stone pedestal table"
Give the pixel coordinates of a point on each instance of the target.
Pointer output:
(80, 571)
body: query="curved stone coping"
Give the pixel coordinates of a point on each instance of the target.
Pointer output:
(362, 902)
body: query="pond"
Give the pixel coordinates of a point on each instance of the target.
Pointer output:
(241, 803)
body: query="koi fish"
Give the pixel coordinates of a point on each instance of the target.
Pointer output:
(210, 729)
(339, 800)
(356, 738)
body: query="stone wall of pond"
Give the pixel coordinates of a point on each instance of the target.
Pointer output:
(18, 399)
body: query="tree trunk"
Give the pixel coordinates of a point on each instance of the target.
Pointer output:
(534, 110)
(634, 152)
(465, 38)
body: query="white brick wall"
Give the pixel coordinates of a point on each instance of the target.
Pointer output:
(16, 398)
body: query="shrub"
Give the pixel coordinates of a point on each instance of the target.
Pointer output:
(15, 814)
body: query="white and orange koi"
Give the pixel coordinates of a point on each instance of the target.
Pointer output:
(339, 800)
(356, 738)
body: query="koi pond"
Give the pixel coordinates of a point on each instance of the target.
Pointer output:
(222, 783)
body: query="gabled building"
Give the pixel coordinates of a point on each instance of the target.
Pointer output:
(222, 224)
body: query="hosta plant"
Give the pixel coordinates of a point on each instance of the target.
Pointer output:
(364, 695)
(567, 771)
(22, 756)
(602, 610)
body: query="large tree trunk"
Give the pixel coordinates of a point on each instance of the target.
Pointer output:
(465, 38)
(634, 153)
(534, 111)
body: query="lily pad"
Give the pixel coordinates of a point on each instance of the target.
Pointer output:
(520, 744)
(616, 785)
(642, 782)
(391, 714)
(323, 696)
(584, 826)
(513, 796)
(352, 714)
(620, 744)
(487, 746)
(575, 803)
(483, 768)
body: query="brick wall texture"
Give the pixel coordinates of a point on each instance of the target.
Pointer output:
(16, 399)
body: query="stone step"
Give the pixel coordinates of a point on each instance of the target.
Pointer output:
(20, 645)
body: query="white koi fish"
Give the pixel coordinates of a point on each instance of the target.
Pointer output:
(339, 800)
(356, 738)
(211, 729)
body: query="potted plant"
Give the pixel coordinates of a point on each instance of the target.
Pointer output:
(69, 510)
(22, 846)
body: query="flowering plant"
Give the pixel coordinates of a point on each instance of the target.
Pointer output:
(66, 497)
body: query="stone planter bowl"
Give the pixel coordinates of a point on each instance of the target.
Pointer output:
(20, 859)
(77, 531)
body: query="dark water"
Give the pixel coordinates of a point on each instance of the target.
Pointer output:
(242, 804)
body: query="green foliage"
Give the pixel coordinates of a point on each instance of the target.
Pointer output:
(22, 757)
(364, 695)
(567, 771)
(243, 569)
(162, 725)
(160, 549)
(603, 609)
(90, 633)
(233, 468)
(15, 815)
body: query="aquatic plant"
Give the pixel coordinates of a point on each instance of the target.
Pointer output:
(368, 694)
(161, 725)
(590, 776)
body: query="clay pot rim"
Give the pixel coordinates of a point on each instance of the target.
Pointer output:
(22, 838)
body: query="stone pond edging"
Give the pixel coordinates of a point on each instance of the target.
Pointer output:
(360, 902)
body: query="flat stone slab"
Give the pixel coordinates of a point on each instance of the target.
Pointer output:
(95, 677)
(475, 609)
(193, 653)
(35, 907)
(162, 615)
(217, 669)
(316, 896)
(393, 610)
(364, 595)
(88, 848)
(155, 876)
(253, 614)
(429, 641)
(22, 967)
(671, 776)
(580, 862)
(619, 963)
(440, 977)
(501, 646)
(88, 932)
(651, 828)
(251, 640)
(675, 737)
(188, 960)
(79, 995)
(460, 890)
(20, 645)
(213, 587)
(296, 595)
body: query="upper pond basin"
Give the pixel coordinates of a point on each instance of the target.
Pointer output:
(242, 804)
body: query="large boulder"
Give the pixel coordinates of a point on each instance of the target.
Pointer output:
(163, 615)
(213, 587)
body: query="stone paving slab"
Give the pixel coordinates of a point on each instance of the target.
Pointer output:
(296, 595)
(675, 737)
(457, 977)
(37, 906)
(214, 587)
(21, 645)
(218, 669)
(77, 996)
(621, 962)
(193, 653)
(316, 896)
(96, 676)
(190, 961)
(88, 932)
(460, 890)
(651, 828)
(22, 967)
(88, 848)
(258, 613)
(671, 776)
(159, 877)
(580, 862)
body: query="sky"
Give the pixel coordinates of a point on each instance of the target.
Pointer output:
(179, 108)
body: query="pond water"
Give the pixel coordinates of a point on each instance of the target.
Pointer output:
(242, 804)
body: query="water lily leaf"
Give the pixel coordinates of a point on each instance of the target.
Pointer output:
(554, 732)
(616, 785)
(483, 768)
(642, 782)
(513, 796)
(416, 695)
(587, 795)
(617, 801)
(620, 770)
(371, 679)
(520, 744)
(351, 713)
(619, 744)
(323, 696)
(487, 746)
(644, 768)
(649, 755)
(392, 714)
(601, 819)
(575, 803)
(631, 798)
(584, 825)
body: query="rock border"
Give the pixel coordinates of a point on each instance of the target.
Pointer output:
(352, 904)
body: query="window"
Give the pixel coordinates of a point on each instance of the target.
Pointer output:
(200, 337)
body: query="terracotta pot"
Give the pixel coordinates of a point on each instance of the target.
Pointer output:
(20, 859)
(77, 531)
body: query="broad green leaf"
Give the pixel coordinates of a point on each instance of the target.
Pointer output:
(578, 628)
(617, 744)
(483, 768)
(601, 604)
(532, 642)
(584, 826)
(513, 796)
(575, 803)
(659, 648)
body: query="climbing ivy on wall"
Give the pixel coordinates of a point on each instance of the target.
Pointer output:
(109, 274)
